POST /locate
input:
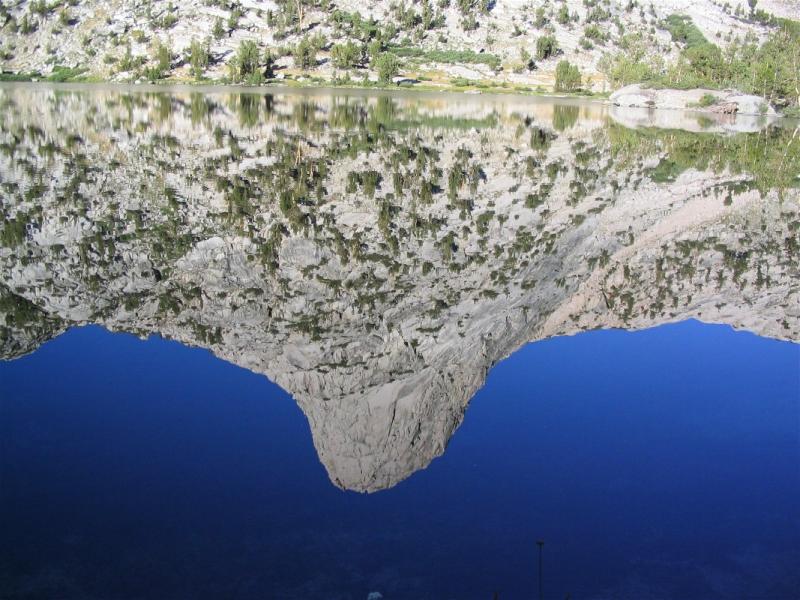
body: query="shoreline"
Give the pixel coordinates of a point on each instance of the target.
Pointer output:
(479, 89)
(314, 88)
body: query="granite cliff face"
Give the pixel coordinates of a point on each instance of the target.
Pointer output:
(375, 256)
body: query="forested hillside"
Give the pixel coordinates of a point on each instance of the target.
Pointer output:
(533, 45)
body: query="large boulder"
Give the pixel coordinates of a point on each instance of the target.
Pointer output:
(726, 101)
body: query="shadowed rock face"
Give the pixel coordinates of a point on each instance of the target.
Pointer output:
(376, 256)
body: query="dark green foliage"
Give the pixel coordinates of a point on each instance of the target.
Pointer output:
(539, 18)
(18, 76)
(541, 139)
(163, 59)
(40, 7)
(65, 18)
(707, 100)
(704, 61)
(769, 158)
(305, 53)
(233, 18)
(770, 70)
(447, 56)
(546, 46)
(356, 26)
(127, 63)
(63, 74)
(774, 68)
(568, 77)
(666, 171)
(27, 25)
(269, 64)
(683, 30)
(245, 65)
(594, 33)
(198, 58)
(18, 311)
(346, 56)
(387, 66)
(633, 64)
(564, 117)
(219, 30)
(13, 232)
(368, 181)
(598, 15)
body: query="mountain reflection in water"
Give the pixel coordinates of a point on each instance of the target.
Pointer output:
(376, 255)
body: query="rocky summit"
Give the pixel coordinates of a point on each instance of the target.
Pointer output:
(376, 255)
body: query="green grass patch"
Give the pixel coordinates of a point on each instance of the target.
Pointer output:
(63, 74)
(683, 30)
(447, 56)
(705, 101)
(19, 76)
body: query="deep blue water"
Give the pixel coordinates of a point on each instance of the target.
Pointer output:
(655, 464)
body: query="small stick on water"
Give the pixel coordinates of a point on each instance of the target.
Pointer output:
(540, 543)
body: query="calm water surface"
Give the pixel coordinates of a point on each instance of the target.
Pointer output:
(325, 346)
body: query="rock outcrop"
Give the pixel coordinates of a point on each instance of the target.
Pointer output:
(374, 255)
(713, 101)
